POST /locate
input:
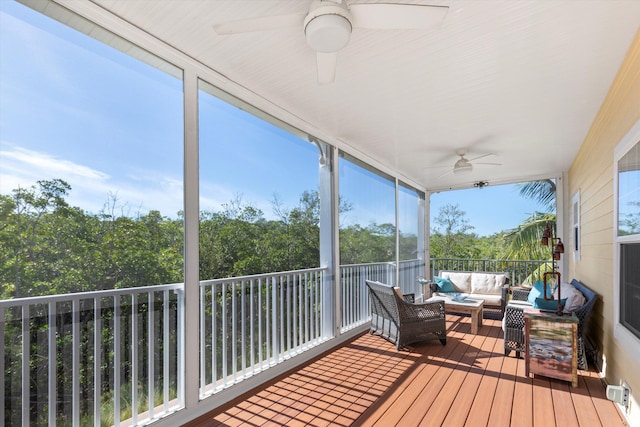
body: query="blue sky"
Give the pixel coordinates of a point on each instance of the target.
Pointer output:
(111, 126)
(490, 209)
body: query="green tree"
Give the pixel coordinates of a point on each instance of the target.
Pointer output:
(450, 237)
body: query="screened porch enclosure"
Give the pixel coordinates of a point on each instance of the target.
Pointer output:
(187, 220)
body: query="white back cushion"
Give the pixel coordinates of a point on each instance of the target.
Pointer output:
(487, 283)
(461, 281)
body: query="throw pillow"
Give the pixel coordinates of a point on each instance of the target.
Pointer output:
(537, 291)
(444, 285)
(575, 298)
(544, 304)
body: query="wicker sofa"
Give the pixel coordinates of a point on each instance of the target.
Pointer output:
(513, 322)
(492, 288)
(401, 322)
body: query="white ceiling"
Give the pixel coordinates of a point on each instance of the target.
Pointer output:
(520, 79)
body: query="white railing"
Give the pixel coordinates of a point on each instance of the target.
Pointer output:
(250, 323)
(520, 272)
(91, 358)
(354, 297)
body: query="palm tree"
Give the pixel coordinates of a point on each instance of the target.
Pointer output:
(543, 191)
(524, 240)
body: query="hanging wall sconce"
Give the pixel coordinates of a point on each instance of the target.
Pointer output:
(557, 248)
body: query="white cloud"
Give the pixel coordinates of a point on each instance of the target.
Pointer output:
(28, 161)
(91, 189)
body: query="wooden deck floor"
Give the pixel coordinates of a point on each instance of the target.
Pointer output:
(468, 382)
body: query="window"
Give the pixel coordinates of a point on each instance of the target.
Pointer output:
(627, 241)
(91, 143)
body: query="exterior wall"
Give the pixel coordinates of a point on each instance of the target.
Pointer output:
(592, 174)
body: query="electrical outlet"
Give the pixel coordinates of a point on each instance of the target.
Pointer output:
(618, 394)
(627, 389)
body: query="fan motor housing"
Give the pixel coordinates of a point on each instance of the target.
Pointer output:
(327, 27)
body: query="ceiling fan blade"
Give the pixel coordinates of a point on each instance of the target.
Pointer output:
(481, 157)
(449, 172)
(487, 164)
(264, 23)
(397, 16)
(326, 63)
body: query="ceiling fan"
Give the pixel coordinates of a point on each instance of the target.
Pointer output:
(328, 25)
(464, 165)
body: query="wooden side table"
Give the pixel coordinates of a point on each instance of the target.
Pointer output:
(551, 344)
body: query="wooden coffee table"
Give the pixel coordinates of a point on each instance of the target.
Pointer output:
(468, 306)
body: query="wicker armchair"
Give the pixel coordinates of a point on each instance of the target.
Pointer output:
(401, 322)
(514, 321)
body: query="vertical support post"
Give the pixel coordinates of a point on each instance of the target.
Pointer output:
(329, 243)
(422, 245)
(397, 237)
(427, 236)
(189, 320)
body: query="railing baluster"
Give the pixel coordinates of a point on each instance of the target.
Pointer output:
(252, 347)
(26, 391)
(289, 315)
(97, 361)
(267, 324)
(2, 367)
(282, 321)
(203, 380)
(234, 332)
(214, 336)
(134, 358)
(181, 347)
(52, 371)
(151, 354)
(274, 320)
(243, 329)
(260, 325)
(165, 349)
(117, 360)
(224, 334)
(75, 376)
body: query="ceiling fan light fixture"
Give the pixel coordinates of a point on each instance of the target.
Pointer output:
(328, 28)
(463, 169)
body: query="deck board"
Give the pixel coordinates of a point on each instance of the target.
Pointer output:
(468, 382)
